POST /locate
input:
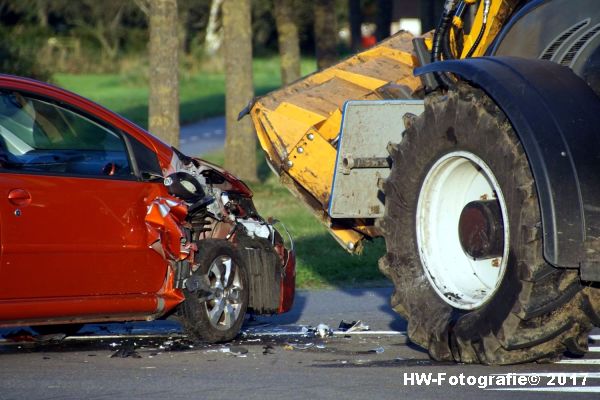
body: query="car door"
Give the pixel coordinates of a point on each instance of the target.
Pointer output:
(71, 208)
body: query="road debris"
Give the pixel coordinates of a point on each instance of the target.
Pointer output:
(126, 352)
(298, 346)
(377, 350)
(354, 326)
(219, 350)
(323, 330)
(238, 351)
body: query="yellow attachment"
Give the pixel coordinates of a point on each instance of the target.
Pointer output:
(306, 161)
(298, 125)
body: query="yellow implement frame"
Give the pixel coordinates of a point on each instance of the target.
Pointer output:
(298, 125)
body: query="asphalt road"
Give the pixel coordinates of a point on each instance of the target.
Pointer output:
(278, 357)
(202, 137)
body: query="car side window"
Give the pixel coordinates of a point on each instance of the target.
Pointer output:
(41, 136)
(146, 159)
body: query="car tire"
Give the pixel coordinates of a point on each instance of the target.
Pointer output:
(215, 313)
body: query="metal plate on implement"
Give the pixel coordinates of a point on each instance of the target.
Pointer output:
(367, 128)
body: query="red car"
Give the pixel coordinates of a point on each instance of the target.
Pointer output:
(104, 222)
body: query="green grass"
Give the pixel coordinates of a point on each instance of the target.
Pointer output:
(321, 261)
(202, 94)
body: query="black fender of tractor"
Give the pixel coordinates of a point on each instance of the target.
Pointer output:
(556, 116)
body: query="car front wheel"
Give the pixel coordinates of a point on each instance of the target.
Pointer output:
(215, 311)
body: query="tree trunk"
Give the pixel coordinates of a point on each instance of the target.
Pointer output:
(289, 44)
(355, 17)
(42, 13)
(214, 33)
(384, 19)
(240, 141)
(325, 33)
(163, 118)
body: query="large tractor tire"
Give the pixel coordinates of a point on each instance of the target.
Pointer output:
(464, 246)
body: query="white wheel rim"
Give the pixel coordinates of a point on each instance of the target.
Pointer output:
(224, 304)
(455, 180)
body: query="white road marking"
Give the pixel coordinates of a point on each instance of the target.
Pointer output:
(308, 332)
(588, 375)
(580, 361)
(594, 349)
(126, 336)
(274, 333)
(381, 333)
(564, 389)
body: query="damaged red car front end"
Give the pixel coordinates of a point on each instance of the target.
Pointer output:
(104, 222)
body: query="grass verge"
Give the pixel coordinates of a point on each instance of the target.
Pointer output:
(201, 94)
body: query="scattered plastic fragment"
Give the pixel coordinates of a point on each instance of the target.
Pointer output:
(323, 330)
(125, 352)
(344, 326)
(238, 351)
(354, 326)
(377, 350)
(176, 345)
(299, 346)
(219, 350)
(320, 346)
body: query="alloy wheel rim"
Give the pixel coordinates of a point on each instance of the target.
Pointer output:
(224, 304)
